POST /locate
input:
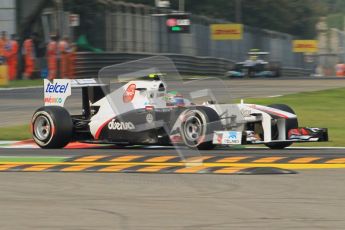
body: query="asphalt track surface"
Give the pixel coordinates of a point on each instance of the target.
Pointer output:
(311, 199)
(314, 200)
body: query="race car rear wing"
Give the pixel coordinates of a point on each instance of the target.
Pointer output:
(258, 53)
(88, 82)
(56, 92)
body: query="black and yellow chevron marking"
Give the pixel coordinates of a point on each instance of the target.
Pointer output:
(209, 159)
(175, 164)
(135, 168)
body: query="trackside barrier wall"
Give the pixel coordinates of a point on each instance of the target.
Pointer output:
(88, 64)
(137, 28)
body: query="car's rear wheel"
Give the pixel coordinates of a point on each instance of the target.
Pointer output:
(52, 127)
(290, 124)
(197, 127)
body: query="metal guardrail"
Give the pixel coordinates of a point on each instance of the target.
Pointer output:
(88, 64)
(295, 72)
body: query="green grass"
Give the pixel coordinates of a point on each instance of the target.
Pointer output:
(18, 132)
(314, 109)
(23, 83)
(324, 109)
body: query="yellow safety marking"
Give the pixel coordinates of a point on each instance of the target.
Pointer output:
(160, 159)
(37, 168)
(231, 159)
(216, 164)
(228, 170)
(197, 159)
(77, 168)
(89, 158)
(336, 161)
(283, 166)
(154, 168)
(125, 158)
(304, 160)
(107, 163)
(191, 169)
(8, 166)
(115, 168)
(268, 159)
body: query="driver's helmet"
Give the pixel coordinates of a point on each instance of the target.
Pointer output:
(253, 57)
(173, 98)
(156, 76)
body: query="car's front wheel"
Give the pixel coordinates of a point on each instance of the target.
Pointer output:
(52, 127)
(290, 124)
(197, 127)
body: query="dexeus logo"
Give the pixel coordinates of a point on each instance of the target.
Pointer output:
(117, 125)
(56, 88)
(129, 94)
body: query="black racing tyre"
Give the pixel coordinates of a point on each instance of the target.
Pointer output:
(251, 72)
(290, 124)
(276, 72)
(197, 127)
(275, 68)
(52, 127)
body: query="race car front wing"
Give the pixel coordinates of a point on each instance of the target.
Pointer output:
(304, 134)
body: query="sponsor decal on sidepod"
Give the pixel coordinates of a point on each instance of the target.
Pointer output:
(129, 94)
(117, 125)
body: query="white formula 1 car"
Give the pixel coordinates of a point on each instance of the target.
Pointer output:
(146, 114)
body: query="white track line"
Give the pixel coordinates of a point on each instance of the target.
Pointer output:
(273, 96)
(4, 143)
(21, 88)
(298, 147)
(7, 142)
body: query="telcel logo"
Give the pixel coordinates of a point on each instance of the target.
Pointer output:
(56, 88)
